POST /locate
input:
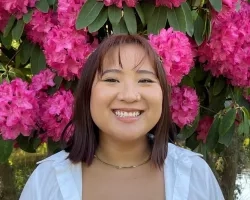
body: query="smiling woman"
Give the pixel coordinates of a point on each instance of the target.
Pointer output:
(122, 147)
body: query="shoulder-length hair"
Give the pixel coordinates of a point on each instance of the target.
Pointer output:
(85, 139)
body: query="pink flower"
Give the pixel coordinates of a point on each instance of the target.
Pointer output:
(42, 80)
(68, 11)
(184, 105)
(66, 50)
(169, 3)
(18, 110)
(227, 53)
(40, 25)
(55, 113)
(203, 128)
(176, 52)
(4, 17)
(118, 3)
(17, 7)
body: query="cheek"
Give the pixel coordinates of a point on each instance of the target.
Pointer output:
(100, 99)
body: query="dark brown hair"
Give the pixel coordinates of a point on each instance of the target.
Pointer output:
(83, 144)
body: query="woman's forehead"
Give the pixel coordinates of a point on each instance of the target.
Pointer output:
(127, 56)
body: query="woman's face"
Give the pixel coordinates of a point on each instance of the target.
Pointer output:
(126, 99)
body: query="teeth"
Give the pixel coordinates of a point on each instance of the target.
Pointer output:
(127, 114)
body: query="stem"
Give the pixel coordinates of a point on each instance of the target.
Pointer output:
(207, 109)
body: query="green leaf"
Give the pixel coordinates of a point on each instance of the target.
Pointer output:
(51, 2)
(227, 138)
(53, 147)
(115, 14)
(241, 128)
(130, 19)
(176, 19)
(213, 134)
(189, 19)
(227, 121)
(89, 12)
(42, 5)
(217, 4)
(246, 126)
(199, 26)
(37, 60)
(141, 14)
(28, 144)
(120, 28)
(192, 142)
(188, 130)
(148, 9)
(58, 81)
(6, 41)
(158, 20)
(188, 81)
(99, 21)
(25, 51)
(219, 85)
(17, 60)
(9, 26)
(27, 17)
(6, 147)
(203, 150)
(17, 31)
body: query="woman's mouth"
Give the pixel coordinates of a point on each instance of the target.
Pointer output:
(127, 116)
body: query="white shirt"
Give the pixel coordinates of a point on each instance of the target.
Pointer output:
(187, 177)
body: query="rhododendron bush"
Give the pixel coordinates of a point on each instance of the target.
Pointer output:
(204, 47)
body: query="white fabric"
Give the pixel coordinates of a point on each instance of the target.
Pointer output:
(187, 177)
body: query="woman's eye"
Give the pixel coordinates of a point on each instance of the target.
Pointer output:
(111, 80)
(145, 81)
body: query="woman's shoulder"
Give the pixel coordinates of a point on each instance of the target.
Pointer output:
(188, 172)
(55, 177)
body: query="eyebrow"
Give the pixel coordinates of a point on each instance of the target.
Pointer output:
(140, 71)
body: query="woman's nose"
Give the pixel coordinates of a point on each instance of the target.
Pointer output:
(129, 94)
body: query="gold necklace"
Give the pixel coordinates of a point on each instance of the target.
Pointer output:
(122, 167)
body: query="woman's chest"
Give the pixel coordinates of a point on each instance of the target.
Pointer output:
(147, 185)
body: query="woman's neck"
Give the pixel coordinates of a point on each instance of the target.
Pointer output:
(122, 153)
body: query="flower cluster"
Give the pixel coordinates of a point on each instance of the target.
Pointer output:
(4, 16)
(68, 11)
(175, 51)
(118, 3)
(18, 110)
(42, 81)
(203, 128)
(184, 105)
(227, 52)
(65, 48)
(17, 7)
(169, 3)
(26, 108)
(40, 25)
(66, 51)
(55, 113)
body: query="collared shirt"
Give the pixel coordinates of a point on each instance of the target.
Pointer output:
(187, 177)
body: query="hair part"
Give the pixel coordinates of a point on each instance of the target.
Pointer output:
(85, 139)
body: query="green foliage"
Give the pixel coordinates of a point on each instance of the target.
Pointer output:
(115, 14)
(158, 20)
(42, 5)
(88, 13)
(217, 4)
(37, 60)
(6, 147)
(99, 21)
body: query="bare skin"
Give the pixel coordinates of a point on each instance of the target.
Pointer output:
(104, 182)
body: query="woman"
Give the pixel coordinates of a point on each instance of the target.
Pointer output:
(122, 128)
